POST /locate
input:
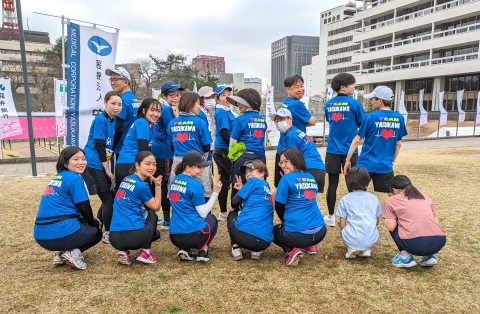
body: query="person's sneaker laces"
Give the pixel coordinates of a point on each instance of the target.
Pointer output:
(202, 256)
(400, 261)
(256, 255)
(57, 258)
(146, 257)
(123, 257)
(106, 238)
(222, 217)
(312, 250)
(159, 220)
(185, 255)
(428, 261)
(165, 225)
(351, 253)
(294, 257)
(74, 261)
(329, 220)
(366, 253)
(237, 253)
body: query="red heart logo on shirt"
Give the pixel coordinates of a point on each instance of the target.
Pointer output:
(387, 134)
(336, 116)
(48, 190)
(258, 133)
(182, 137)
(270, 199)
(120, 194)
(309, 194)
(309, 139)
(174, 197)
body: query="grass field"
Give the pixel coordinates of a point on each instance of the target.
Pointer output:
(326, 282)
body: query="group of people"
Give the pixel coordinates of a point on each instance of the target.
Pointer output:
(158, 155)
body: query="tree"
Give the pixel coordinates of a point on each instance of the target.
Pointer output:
(146, 67)
(174, 68)
(205, 79)
(12, 69)
(52, 58)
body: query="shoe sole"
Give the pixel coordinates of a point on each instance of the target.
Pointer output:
(330, 225)
(256, 257)
(146, 261)
(58, 262)
(353, 254)
(164, 228)
(311, 252)
(237, 258)
(184, 257)
(411, 264)
(159, 222)
(202, 259)
(222, 219)
(295, 260)
(428, 263)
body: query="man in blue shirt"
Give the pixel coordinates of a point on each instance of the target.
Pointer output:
(344, 115)
(383, 130)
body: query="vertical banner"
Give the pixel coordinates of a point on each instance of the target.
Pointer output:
(59, 107)
(306, 101)
(90, 52)
(329, 96)
(156, 93)
(401, 109)
(443, 112)
(8, 113)
(270, 109)
(195, 90)
(355, 94)
(477, 120)
(423, 112)
(461, 113)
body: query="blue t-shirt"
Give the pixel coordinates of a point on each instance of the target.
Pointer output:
(250, 128)
(344, 114)
(65, 190)
(298, 191)
(186, 193)
(256, 217)
(188, 133)
(160, 149)
(140, 130)
(381, 130)
(223, 120)
(300, 113)
(128, 114)
(296, 138)
(128, 204)
(102, 128)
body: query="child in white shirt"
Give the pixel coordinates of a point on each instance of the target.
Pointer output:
(359, 211)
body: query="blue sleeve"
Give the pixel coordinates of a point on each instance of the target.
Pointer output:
(302, 113)
(363, 128)
(403, 130)
(327, 118)
(198, 197)
(144, 193)
(221, 121)
(360, 112)
(123, 113)
(169, 135)
(341, 209)
(282, 191)
(166, 117)
(100, 130)
(205, 136)
(143, 130)
(77, 190)
(236, 130)
(247, 189)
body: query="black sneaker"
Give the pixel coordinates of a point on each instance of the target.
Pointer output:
(185, 255)
(156, 236)
(202, 256)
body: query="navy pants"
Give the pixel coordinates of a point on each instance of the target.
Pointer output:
(288, 240)
(198, 239)
(421, 246)
(243, 239)
(82, 239)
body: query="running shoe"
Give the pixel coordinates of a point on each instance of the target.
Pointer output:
(147, 258)
(74, 261)
(312, 250)
(106, 238)
(185, 255)
(428, 260)
(366, 253)
(256, 255)
(294, 257)
(351, 253)
(202, 256)
(329, 220)
(400, 261)
(57, 258)
(123, 257)
(237, 253)
(222, 217)
(165, 225)
(159, 220)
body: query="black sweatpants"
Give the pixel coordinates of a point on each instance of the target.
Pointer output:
(164, 166)
(198, 239)
(243, 239)
(99, 184)
(288, 240)
(83, 239)
(139, 238)
(224, 165)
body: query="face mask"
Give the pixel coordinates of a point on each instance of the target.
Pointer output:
(210, 103)
(282, 126)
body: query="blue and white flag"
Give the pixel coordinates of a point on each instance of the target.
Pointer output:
(90, 52)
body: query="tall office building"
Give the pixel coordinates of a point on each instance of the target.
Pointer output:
(211, 63)
(414, 45)
(289, 54)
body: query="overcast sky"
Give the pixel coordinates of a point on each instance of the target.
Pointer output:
(239, 30)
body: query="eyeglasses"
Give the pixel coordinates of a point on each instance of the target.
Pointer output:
(174, 95)
(283, 162)
(114, 79)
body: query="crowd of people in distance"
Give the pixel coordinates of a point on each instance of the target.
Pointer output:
(141, 159)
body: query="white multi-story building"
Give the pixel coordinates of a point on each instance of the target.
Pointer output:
(311, 77)
(253, 82)
(412, 45)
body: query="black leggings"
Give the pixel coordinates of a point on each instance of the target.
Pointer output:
(83, 239)
(288, 240)
(198, 239)
(121, 171)
(105, 212)
(224, 165)
(243, 239)
(333, 179)
(139, 238)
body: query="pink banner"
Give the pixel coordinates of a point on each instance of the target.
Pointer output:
(42, 127)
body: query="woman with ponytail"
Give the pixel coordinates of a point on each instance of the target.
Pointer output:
(413, 224)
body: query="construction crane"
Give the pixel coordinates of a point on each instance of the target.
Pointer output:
(10, 24)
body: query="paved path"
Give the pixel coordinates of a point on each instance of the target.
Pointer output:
(49, 167)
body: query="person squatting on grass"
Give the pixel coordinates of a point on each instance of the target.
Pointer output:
(192, 224)
(134, 222)
(98, 151)
(250, 225)
(65, 222)
(302, 224)
(411, 218)
(359, 211)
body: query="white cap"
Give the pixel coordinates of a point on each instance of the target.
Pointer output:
(282, 112)
(120, 71)
(205, 91)
(382, 92)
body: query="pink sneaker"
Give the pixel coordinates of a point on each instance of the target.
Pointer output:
(312, 250)
(293, 257)
(147, 258)
(123, 257)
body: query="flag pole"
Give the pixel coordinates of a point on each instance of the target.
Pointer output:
(64, 87)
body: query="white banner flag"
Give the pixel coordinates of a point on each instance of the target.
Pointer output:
(90, 52)
(270, 109)
(443, 112)
(59, 107)
(477, 120)
(156, 93)
(401, 108)
(329, 96)
(423, 112)
(306, 101)
(8, 115)
(461, 113)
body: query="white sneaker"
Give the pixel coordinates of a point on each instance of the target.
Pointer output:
(256, 255)
(351, 253)
(75, 261)
(57, 258)
(237, 254)
(106, 238)
(366, 253)
(222, 217)
(165, 225)
(329, 220)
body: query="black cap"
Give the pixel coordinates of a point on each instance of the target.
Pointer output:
(248, 165)
(195, 158)
(400, 182)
